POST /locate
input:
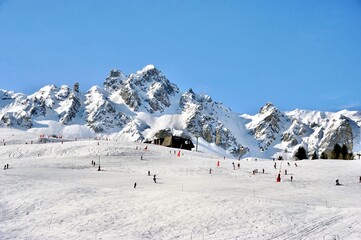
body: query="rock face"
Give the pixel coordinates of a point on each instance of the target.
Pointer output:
(114, 80)
(146, 104)
(148, 88)
(205, 119)
(339, 132)
(101, 114)
(267, 126)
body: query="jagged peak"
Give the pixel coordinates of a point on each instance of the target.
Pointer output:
(113, 81)
(48, 88)
(268, 107)
(200, 98)
(148, 68)
(114, 73)
(95, 88)
(47, 91)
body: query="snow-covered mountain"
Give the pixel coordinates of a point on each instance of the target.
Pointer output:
(281, 134)
(145, 104)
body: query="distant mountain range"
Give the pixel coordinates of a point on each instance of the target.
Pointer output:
(146, 104)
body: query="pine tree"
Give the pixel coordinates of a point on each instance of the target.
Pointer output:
(323, 155)
(301, 153)
(344, 152)
(336, 152)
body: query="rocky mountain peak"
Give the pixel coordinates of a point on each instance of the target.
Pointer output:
(338, 131)
(114, 80)
(266, 126)
(149, 68)
(148, 88)
(268, 108)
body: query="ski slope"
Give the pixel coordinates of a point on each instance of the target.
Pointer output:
(52, 191)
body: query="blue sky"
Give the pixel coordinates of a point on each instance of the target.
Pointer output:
(296, 54)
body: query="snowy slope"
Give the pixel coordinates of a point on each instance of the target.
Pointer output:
(51, 191)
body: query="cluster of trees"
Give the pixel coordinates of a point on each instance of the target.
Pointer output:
(338, 152)
(301, 153)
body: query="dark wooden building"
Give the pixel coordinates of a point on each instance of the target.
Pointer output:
(175, 142)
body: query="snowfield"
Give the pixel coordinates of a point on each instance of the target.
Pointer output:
(52, 191)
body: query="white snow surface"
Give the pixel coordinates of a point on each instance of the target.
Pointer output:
(51, 191)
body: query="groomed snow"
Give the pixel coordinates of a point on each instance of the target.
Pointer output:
(51, 191)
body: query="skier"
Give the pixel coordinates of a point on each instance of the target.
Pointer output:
(278, 178)
(154, 178)
(275, 165)
(99, 168)
(210, 171)
(234, 167)
(135, 184)
(360, 179)
(285, 171)
(296, 164)
(288, 164)
(141, 157)
(337, 183)
(7, 166)
(148, 173)
(263, 170)
(291, 178)
(239, 165)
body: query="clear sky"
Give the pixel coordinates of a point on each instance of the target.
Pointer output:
(297, 54)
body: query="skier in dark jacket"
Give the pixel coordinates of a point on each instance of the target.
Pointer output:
(154, 179)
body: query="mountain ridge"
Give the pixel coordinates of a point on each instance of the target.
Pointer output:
(138, 106)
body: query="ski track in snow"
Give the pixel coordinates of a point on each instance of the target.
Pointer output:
(51, 191)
